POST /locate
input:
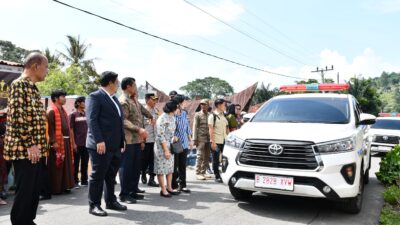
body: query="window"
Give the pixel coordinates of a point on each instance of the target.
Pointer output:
(305, 110)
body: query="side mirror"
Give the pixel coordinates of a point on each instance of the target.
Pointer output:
(248, 117)
(366, 119)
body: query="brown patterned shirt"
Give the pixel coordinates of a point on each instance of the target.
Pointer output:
(26, 121)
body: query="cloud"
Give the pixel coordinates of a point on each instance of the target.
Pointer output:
(179, 18)
(368, 64)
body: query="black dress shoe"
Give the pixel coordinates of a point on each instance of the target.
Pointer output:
(144, 179)
(140, 191)
(173, 192)
(97, 211)
(116, 206)
(152, 183)
(44, 197)
(218, 180)
(185, 190)
(165, 195)
(127, 199)
(136, 196)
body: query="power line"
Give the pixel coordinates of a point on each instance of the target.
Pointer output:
(199, 37)
(172, 42)
(246, 34)
(290, 47)
(280, 32)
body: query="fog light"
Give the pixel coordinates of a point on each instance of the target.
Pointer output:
(348, 173)
(233, 180)
(327, 189)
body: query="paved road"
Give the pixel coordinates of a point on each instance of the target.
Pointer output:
(210, 203)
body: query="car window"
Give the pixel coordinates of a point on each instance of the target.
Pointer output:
(387, 124)
(305, 110)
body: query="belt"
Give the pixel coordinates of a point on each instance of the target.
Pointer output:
(65, 136)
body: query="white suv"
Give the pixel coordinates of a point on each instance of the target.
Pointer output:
(312, 145)
(385, 134)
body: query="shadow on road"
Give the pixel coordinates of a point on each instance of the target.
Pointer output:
(296, 209)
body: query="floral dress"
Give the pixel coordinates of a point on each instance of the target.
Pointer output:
(165, 133)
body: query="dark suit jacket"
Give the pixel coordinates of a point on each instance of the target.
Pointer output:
(104, 122)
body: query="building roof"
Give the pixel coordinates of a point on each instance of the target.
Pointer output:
(9, 63)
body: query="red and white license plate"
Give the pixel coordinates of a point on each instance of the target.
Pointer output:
(274, 182)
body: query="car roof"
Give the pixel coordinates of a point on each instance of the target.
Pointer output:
(388, 118)
(314, 95)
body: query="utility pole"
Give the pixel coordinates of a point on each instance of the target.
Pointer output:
(338, 77)
(322, 71)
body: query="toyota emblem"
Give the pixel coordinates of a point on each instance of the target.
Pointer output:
(275, 149)
(385, 138)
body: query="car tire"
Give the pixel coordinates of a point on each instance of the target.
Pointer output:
(239, 194)
(366, 174)
(354, 205)
(366, 177)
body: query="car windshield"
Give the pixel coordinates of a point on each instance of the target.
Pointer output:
(387, 124)
(305, 110)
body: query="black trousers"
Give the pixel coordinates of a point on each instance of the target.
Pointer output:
(45, 188)
(179, 175)
(215, 162)
(104, 170)
(129, 171)
(148, 159)
(81, 156)
(28, 182)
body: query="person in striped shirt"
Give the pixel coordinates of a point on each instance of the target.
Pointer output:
(184, 133)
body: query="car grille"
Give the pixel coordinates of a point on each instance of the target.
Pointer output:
(387, 140)
(296, 155)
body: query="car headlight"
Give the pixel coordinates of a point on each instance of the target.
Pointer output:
(233, 141)
(339, 146)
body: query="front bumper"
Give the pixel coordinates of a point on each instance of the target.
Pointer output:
(307, 183)
(381, 147)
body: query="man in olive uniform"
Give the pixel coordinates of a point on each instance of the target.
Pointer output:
(201, 138)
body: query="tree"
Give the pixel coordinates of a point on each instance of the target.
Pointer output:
(76, 51)
(10, 52)
(67, 81)
(209, 87)
(329, 81)
(53, 58)
(309, 81)
(366, 95)
(75, 55)
(264, 93)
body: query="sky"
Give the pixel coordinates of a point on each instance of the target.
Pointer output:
(358, 37)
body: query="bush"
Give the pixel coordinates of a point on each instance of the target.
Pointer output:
(389, 172)
(392, 195)
(389, 216)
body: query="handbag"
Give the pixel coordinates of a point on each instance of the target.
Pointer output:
(176, 148)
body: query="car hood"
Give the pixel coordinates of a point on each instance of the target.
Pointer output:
(314, 132)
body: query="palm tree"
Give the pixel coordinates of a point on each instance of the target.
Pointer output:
(53, 59)
(75, 51)
(75, 54)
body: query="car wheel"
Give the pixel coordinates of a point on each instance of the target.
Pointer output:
(366, 174)
(354, 205)
(366, 177)
(240, 195)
